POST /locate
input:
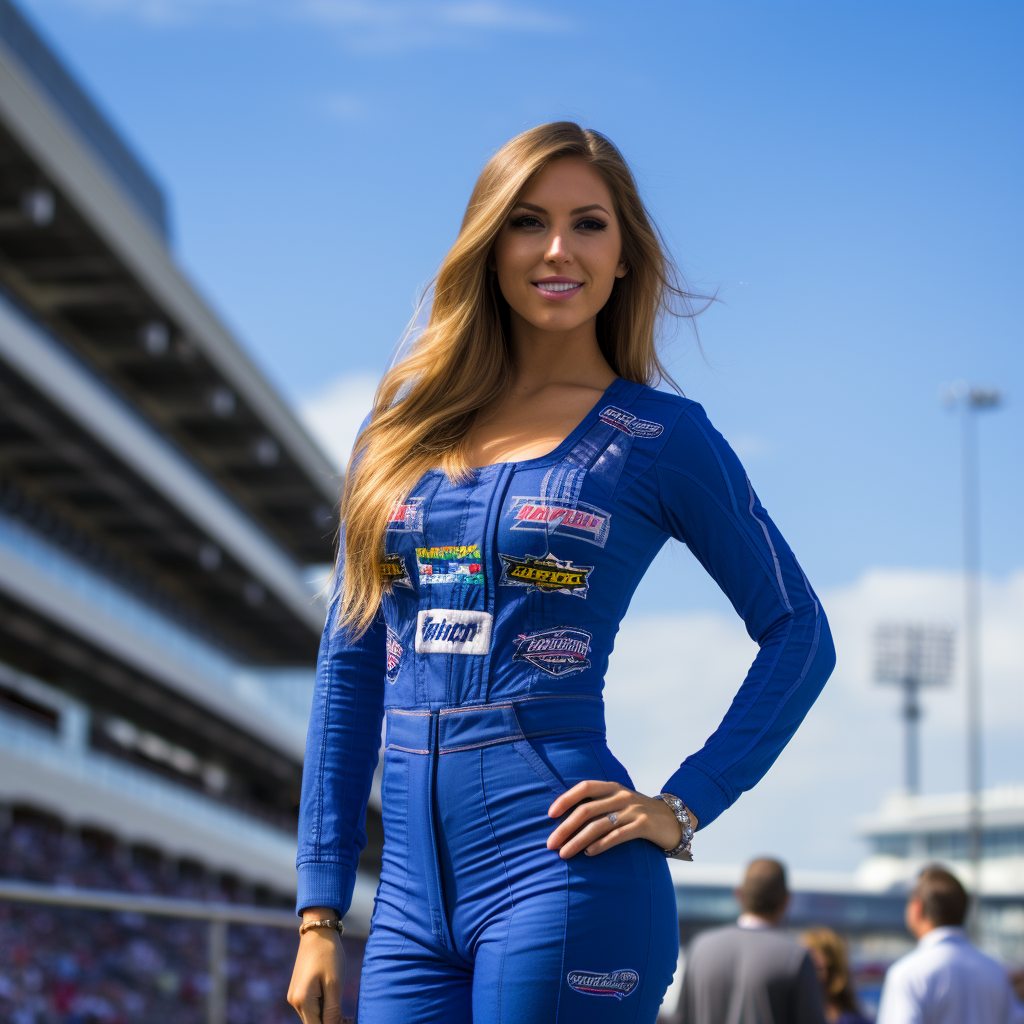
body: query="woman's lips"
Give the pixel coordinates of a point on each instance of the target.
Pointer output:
(558, 289)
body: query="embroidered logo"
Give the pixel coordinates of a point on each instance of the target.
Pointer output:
(453, 631)
(628, 423)
(549, 575)
(592, 983)
(555, 651)
(407, 516)
(394, 572)
(451, 564)
(394, 655)
(552, 515)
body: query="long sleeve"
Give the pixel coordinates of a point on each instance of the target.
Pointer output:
(342, 745)
(708, 503)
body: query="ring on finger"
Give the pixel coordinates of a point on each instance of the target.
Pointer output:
(613, 817)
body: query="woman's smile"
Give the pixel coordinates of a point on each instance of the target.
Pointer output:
(558, 289)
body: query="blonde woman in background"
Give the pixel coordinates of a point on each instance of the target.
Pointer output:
(828, 951)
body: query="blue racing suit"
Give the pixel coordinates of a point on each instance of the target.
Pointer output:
(487, 660)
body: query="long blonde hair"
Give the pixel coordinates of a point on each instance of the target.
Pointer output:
(426, 405)
(838, 983)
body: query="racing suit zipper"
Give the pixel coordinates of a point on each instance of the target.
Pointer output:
(491, 577)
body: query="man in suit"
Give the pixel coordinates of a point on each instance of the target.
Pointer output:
(750, 972)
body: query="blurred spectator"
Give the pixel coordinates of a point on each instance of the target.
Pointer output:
(750, 972)
(65, 966)
(945, 980)
(828, 951)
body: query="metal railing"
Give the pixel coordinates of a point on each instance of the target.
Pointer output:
(219, 916)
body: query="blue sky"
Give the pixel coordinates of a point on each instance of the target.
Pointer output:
(846, 176)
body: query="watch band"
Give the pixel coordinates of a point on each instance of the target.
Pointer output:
(678, 808)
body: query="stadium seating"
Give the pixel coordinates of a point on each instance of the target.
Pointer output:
(67, 966)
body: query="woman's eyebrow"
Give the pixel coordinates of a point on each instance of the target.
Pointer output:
(572, 213)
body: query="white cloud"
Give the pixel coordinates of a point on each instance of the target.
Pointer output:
(368, 24)
(156, 12)
(485, 14)
(673, 676)
(403, 25)
(333, 415)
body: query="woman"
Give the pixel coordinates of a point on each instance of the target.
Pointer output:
(828, 951)
(515, 479)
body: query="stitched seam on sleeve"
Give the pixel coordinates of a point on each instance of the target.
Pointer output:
(737, 525)
(700, 765)
(328, 689)
(718, 457)
(771, 547)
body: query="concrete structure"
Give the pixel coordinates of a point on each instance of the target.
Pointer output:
(911, 831)
(165, 521)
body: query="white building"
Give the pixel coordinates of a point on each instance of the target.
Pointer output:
(911, 831)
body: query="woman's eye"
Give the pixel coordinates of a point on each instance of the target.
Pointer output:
(592, 224)
(527, 221)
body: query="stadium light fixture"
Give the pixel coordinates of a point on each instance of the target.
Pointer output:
(912, 657)
(39, 205)
(267, 451)
(155, 337)
(222, 402)
(209, 557)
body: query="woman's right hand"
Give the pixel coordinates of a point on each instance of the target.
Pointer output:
(319, 974)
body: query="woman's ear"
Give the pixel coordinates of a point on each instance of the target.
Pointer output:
(621, 270)
(492, 263)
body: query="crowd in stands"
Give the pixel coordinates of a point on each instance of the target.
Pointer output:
(67, 966)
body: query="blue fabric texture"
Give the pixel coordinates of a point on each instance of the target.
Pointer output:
(488, 659)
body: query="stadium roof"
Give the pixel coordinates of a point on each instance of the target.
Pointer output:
(83, 252)
(50, 75)
(85, 469)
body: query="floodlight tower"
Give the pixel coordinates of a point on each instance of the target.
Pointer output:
(913, 656)
(970, 401)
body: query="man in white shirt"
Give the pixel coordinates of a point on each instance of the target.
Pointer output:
(945, 980)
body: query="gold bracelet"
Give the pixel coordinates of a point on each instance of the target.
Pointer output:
(326, 922)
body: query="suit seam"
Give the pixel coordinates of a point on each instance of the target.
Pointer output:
(734, 520)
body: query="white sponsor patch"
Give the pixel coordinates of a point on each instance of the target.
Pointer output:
(453, 631)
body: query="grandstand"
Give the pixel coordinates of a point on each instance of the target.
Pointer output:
(165, 527)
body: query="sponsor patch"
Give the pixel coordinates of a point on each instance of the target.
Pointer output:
(593, 983)
(394, 655)
(628, 423)
(549, 575)
(450, 564)
(394, 572)
(453, 631)
(552, 515)
(556, 651)
(407, 516)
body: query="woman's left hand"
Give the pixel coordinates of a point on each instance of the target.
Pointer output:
(590, 829)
